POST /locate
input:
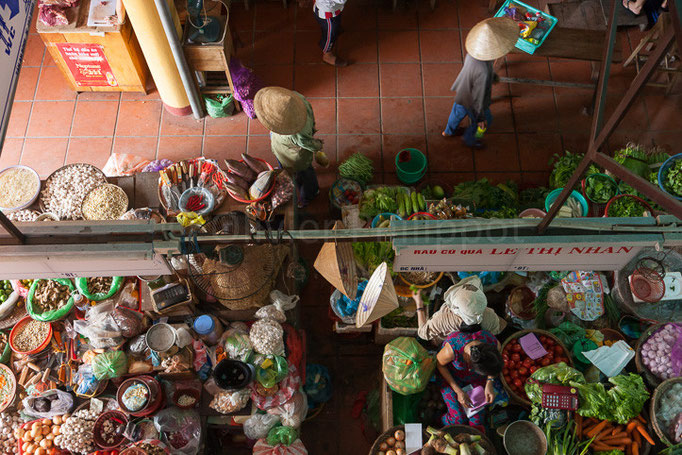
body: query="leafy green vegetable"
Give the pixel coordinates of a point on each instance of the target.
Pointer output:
(673, 179)
(357, 167)
(594, 402)
(611, 452)
(398, 318)
(625, 207)
(533, 198)
(503, 213)
(378, 200)
(564, 166)
(628, 396)
(486, 196)
(559, 373)
(565, 442)
(600, 188)
(370, 255)
(635, 158)
(540, 305)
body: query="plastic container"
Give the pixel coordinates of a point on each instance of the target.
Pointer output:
(641, 201)
(233, 374)
(533, 213)
(208, 200)
(155, 398)
(15, 331)
(663, 171)
(410, 165)
(209, 329)
(422, 215)
(522, 44)
(33, 198)
(551, 197)
(377, 219)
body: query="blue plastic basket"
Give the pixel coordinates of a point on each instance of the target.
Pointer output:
(521, 43)
(663, 171)
(551, 197)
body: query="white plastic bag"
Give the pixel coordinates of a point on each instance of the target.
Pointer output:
(258, 425)
(61, 403)
(293, 412)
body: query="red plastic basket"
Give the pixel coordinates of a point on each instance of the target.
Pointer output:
(641, 201)
(250, 201)
(424, 214)
(647, 285)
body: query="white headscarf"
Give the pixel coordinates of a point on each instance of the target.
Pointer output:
(467, 300)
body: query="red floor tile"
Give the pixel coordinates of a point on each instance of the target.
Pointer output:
(404, 18)
(177, 148)
(273, 16)
(443, 16)
(621, 137)
(449, 154)
(11, 152)
(91, 150)
(503, 121)
(471, 14)
(277, 75)
(536, 150)
(327, 176)
(449, 180)
(259, 146)
(53, 86)
(635, 119)
(241, 19)
(500, 153)
(140, 146)
(224, 147)
(440, 46)
(98, 96)
(316, 80)
(535, 114)
(527, 67)
(358, 80)
(18, 120)
(369, 145)
(437, 112)
(394, 143)
(669, 140)
(45, 155)
(305, 20)
(33, 52)
(359, 116)
(51, 118)
(325, 115)
(531, 179)
(573, 108)
(576, 142)
(438, 78)
(151, 95)
(273, 47)
(257, 128)
(402, 115)
(398, 46)
(664, 112)
(26, 85)
(400, 79)
(187, 125)
(358, 16)
(358, 46)
(571, 71)
(307, 48)
(94, 118)
(139, 118)
(235, 124)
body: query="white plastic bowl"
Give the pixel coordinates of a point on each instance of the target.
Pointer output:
(35, 196)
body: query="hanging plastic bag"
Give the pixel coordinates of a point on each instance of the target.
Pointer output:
(293, 412)
(407, 366)
(48, 404)
(219, 106)
(99, 326)
(267, 337)
(229, 402)
(238, 347)
(109, 365)
(284, 391)
(82, 286)
(263, 448)
(271, 370)
(318, 384)
(282, 435)
(50, 315)
(180, 430)
(120, 164)
(259, 425)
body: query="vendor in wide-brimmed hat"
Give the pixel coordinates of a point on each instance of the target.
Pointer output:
(487, 41)
(289, 117)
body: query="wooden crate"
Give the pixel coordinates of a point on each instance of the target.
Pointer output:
(386, 396)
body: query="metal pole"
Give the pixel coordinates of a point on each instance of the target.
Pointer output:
(179, 57)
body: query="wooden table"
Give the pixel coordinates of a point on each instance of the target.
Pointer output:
(122, 54)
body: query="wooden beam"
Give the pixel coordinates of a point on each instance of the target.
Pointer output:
(11, 229)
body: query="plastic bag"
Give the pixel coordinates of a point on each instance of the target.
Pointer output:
(120, 164)
(559, 373)
(569, 333)
(293, 412)
(157, 165)
(99, 326)
(267, 337)
(259, 425)
(129, 321)
(285, 390)
(180, 430)
(282, 435)
(109, 365)
(219, 106)
(238, 347)
(82, 286)
(60, 403)
(50, 315)
(229, 402)
(407, 366)
(405, 408)
(86, 384)
(270, 371)
(318, 384)
(263, 448)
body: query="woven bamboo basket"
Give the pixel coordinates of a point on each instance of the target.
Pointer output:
(486, 443)
(41, 202)
(653, 407)
(649, 377)
(374, 450)
(515, 396)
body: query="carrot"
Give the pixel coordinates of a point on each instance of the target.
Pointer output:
(620, 434)
(604, 447)
(618, 429)
(597, 428)
(635, 448)
(637, 438)
(603, 434)
(631, 426)
(640, 418)
(644, 433)
(617, 441)
(578, 425)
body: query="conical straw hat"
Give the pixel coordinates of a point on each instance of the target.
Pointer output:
(492, 38)
(280, 110)
(378, 299)
(336, 263)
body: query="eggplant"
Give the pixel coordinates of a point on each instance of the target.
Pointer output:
(241, 170)
(237, 190)
(236, 180)
(256, 166)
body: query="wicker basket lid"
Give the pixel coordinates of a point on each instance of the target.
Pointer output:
(378, 299)
(336, 264)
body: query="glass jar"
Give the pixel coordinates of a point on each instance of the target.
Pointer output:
(209, 329)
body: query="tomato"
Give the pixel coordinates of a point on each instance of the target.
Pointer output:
(558, 350)
(515, 357)
(543, 339)
(533, 369)
(517, 348)
(518, 383)
(561, 359)
(545, 361)
(514, 374)
(523, 371)
(505, 357)
(528, 363)
(550, 342)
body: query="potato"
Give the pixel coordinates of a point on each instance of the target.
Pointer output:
(24, 446)
(40, 451)
(49, 436)
(57, 420)
(400, 444)
(400, 452)
(383, 446)
(390, 441)
(38, 438)
(46, 422)
(35, 431)
(56, 430)
(399, 435)
(47, 429)
(391, 452)
(31, 448)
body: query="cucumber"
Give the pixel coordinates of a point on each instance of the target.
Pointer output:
(415, 202)
(422, 201)
(401, 204)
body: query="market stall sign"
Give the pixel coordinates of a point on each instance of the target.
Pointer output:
(507, 257)
(15, 21)
(88, 64)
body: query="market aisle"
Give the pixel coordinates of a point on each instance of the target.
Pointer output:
(395, 95)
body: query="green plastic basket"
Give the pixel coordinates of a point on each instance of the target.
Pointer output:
(521, 43)
(410, 165)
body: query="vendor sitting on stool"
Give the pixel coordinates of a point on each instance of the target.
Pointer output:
(468, 358)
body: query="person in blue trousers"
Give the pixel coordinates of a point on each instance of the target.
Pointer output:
(487, 41)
